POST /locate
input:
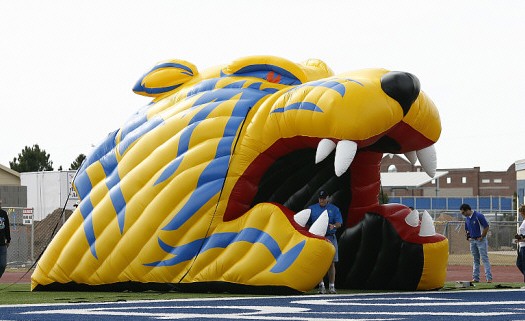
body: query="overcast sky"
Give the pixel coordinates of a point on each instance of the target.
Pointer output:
(67, 67)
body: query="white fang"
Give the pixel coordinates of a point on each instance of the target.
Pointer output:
(302, 217)
(412, 219)
(320, 225)
(427, 225)
(324, 148)
(427, 158)
(344, 155)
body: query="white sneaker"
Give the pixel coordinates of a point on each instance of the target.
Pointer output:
(322, 289)
(332, 290)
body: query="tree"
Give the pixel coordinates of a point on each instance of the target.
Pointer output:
(78, 162)
(32, 159)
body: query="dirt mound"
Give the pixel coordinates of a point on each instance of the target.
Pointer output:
(46, 229)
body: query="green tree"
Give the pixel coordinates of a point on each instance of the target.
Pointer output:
(32, 159)
(78, 162)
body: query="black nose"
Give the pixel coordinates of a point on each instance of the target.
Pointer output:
(402, 86)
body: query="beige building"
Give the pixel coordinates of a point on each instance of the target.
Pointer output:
(9, 176)
(12, 193)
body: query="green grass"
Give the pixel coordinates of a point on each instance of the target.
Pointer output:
(21, 294)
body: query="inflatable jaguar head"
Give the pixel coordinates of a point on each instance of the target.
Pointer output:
(204, 188)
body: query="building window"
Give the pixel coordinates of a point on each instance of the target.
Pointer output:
(497, 180)
(485, 181)
(464, 180)
(392, 168)
(449, 180)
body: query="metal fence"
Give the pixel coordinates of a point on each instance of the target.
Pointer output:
(436, 203)
(20, 252)
(26, 244)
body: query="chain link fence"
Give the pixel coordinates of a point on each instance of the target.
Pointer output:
(29, 238)
(20, 252)
(503, 228)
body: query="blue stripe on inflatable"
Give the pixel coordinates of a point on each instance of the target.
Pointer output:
(139, 87)
(299, 106)
(198, 198)
(237, 84)
(184, 142)
(158, 90)
(255, 85)
(331, 84)
(86, 208)
(169, 170)
(212, 101)
(286, 259)
(138, 132)
(253, 235)
(105, 147)
(261, 70)
(174, 65)
(222, 240)
(205, 86)
(119, 204)
(83, 184)
(212, 178)
(134, 122)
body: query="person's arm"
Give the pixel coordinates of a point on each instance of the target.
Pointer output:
(483, 222)
(338, 221)
(484, 233)
(335, 225)
(7, 231)
(467, 233)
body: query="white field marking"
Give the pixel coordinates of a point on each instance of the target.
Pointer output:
(212, 315)
(258, 313)
(245, 298)
(422, 298)
(422, 304)
(255, 309)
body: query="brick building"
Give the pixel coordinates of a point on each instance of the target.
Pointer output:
(457, 182)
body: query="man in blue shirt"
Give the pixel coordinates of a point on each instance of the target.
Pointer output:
(335, 220)
(477, 227)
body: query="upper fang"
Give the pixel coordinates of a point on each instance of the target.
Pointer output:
(344, 155)
(427, 158)
(325, 147)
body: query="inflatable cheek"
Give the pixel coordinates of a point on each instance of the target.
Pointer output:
(203, 189)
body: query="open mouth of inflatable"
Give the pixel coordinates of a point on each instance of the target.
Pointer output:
(293, 171)
(295, 179)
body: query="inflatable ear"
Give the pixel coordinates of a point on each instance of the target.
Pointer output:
(165, 77)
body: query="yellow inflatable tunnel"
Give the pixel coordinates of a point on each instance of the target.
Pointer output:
(199, 190)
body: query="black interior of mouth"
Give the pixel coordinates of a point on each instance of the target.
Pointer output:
(294, 181)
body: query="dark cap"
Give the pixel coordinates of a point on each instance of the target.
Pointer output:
(323, 194)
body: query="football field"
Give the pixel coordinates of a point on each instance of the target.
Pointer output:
(428, 306)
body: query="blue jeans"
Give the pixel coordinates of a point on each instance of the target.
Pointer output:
(479, 250)
(332, 238)
(3, 259)
(520, 261)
